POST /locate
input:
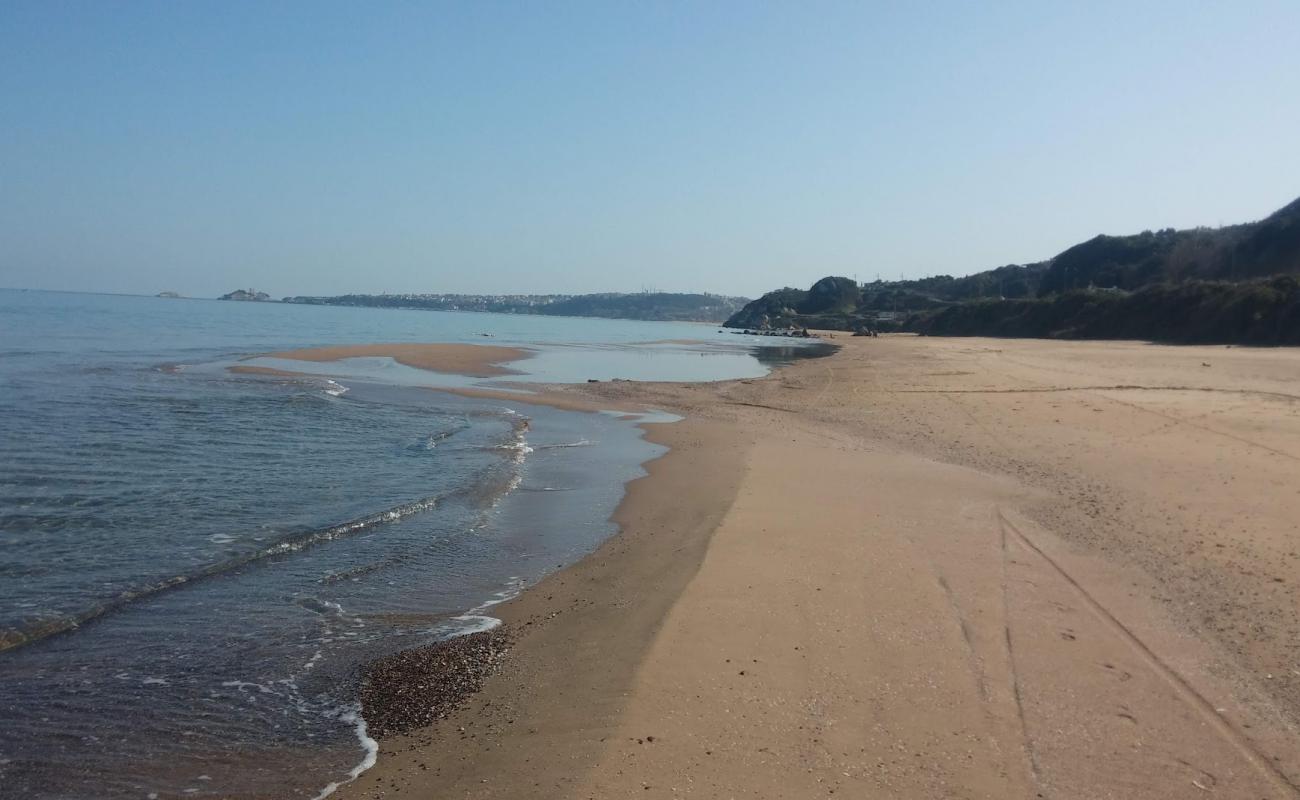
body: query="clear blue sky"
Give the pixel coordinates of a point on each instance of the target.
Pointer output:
(318, 148)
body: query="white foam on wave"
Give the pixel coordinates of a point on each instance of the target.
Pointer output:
(346, 528)
(330, 610)
(477, 620)
(522, 447)
(334, 388)
(431, 442)
(509, 593)
(352, 716)
(476, 623)
(245, 685)
(519, 447)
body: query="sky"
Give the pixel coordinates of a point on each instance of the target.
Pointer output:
(331, 147)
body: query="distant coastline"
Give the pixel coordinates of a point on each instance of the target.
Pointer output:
(645, 306)
(651, 306)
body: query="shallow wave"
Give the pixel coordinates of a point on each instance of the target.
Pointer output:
(46, 628)
(431, 441)
(518, 444)
(579, 443)
(520, 448)
(485, 493)
(490, 487)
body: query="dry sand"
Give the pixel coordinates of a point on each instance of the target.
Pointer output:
(919, 568)
(476, 360)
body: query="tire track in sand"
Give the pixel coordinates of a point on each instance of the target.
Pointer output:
(1177, 682)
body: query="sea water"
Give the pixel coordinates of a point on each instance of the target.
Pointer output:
(194, 564)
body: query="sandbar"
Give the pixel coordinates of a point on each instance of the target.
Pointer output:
(474, 360)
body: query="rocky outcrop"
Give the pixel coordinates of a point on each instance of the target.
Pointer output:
(831, 295)
(821, 306)
(246, 294)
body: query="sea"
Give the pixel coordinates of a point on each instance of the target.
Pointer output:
(196, 564)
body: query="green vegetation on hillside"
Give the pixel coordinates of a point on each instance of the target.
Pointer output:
(1231, 284)
(1261, 311)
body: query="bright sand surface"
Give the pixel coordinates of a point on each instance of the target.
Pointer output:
(919, 568)
(476, 360)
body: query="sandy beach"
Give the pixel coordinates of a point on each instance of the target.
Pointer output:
(474, 360)
(917, 568)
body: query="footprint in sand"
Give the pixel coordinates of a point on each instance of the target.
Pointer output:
(1122, 674)
(1205, 781)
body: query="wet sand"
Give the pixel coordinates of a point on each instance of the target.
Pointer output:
(474, 360)
(917, 568)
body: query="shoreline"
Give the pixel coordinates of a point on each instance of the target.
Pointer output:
(418, 686)
(611, 687)
(542, 628)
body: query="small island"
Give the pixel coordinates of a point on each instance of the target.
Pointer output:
(170, 295)
(246, 295)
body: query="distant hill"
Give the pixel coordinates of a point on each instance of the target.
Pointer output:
(644, 305)
(1237, 252)
(1230, 284)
